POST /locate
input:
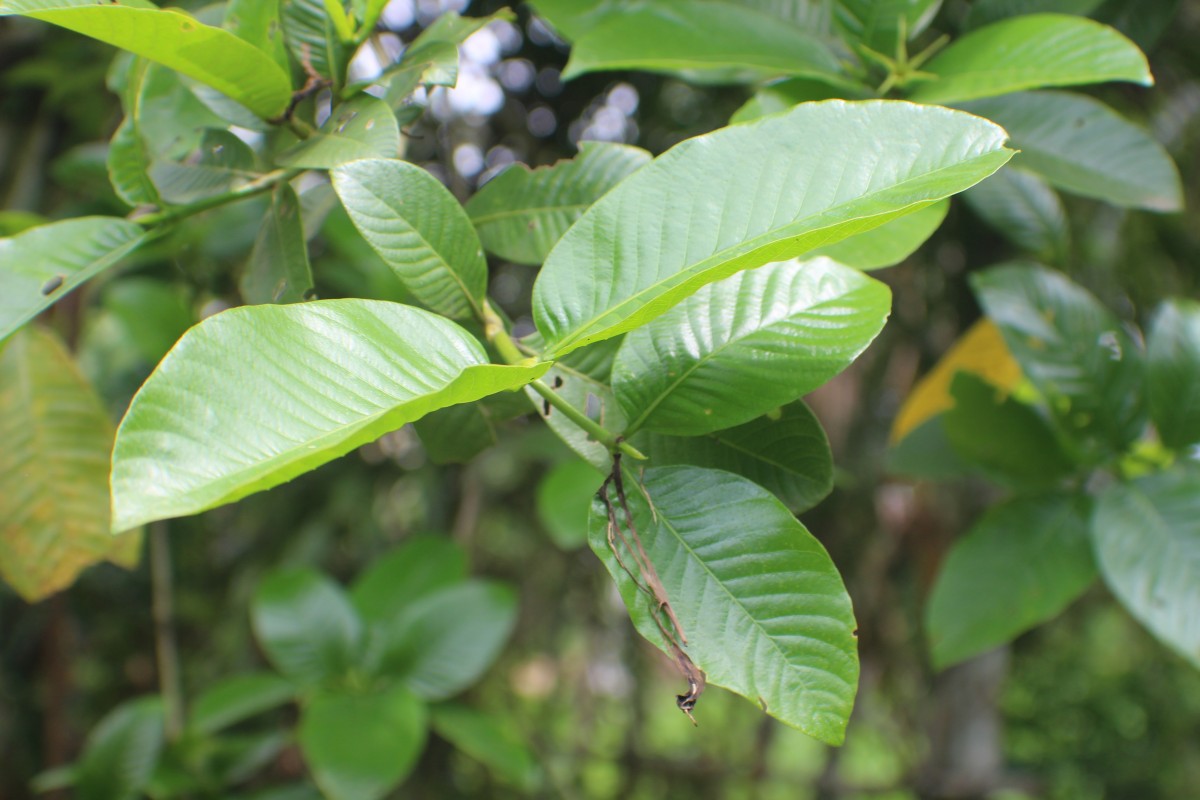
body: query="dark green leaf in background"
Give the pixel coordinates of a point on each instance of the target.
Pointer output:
(221, 163)
(363, 127)
(238, 698)
(1173, 372)
(491, 739)
(456, 434)
(421, 566)
(890, 243)
(563, 498)
(121, 752)
(1024, 208)
(878, 23)
(278, 269)
(306, 625)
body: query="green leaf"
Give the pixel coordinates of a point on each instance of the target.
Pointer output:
(891, 243)
(563, 497)
(170, 118)
(457, 434)
(726, 41)
(492, 740)
(521, 213)
(310, 37)
(763, 607)
(432, 58)
(877, 23)
(746, 345)
(306, 625)
(222, 163)
(985, 12)
(121, 752)
(174, 39)
(1147, 538)
(155, 313)
(1173, 372)
(278, 270)
(1025, 209)
(1020, 565)
(411, 572)
(258, 22)
(787, 454)
(787, 184)
(1082, 146)
(42, 264)
(363, 127)
(238, 698)
(55, 440)
(417, 227)
(360, 746)
(280, 390)
(129, 164)
(1002, 437)
(591, 396)
(1029, 52)
(783, 94)
(1073, 350)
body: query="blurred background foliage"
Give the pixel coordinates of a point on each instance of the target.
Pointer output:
(1088, 706)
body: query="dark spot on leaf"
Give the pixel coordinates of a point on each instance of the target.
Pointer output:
(52, 285)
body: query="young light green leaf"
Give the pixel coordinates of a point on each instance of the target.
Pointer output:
(360, 746)
(1019, 566)
(492, 740)
(787, 184)
(55, 441)
(306, 625)
(1146, 536)
(760, 602)
(121, 752)
(521, 213)
(1025, 209)
(878, 23)
(891, 243)
(1082, 146)
(1173, 372)
(787, 454)
(741, 347)
(1029, 52)
(278, 270)
(280, 390)
(727, 42)
(42, 264)
(174, 39)
(222, 163)
(419, 229)
(363, 127)
(1073, 350)
(238, 698)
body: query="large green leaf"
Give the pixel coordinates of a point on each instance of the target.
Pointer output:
(278, 270)
(783, 94)
(747, 195)
(1173, 372)
(238, 698)
(363, 127)
(1082, 146)
(726, 41)
(1025, 209)
(494, 741)
(521, 213)
(42, 264)
(563, 497)
(360, 746)
(419, 229)
(985, 12)
(279, 390)
(1020, 565)
(309, 34)
(786, 453)
(258, 22)
(1147, 538)
(306, 625)
(457, 434)
(55, 440)
(878, 23)
(129, 158)
(121, 752)
(174, 39)
(761, 604)
(891, 243)
(1029, 52)
(1073, 350)
(741, 347)
(222, 162)
(416, 569)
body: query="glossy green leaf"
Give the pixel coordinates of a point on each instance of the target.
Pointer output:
(1029, 52)
(1073, 350)
(306, 625)
(363, 127)
(55, 440)
(280, 390)
(222, 163)
(121, 752)
(741, 347)
(760, 602)
(417, 227)
(411, 572)
(783, 94)
(891, 243)
(174, 39)
(1020, 565)
(1144, 23)
(521, 213)
(238, 698)
(1173, 372)
(155, 313)
(1147, 539)
(788, 184)
(171, 119)
(129, 164)
(456, 434)
(1084, 147)
(1022, 207)
(432, 58)
(278, 269)
(985, 12)
(786, 453)
(258, 22)
(42, 264)
(878, 23)
(310, 37)
(492, 740)
(563, 497)
(726, 41)
(360, 746)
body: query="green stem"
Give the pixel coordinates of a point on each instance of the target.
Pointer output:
(162, 609)
(263, 183)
